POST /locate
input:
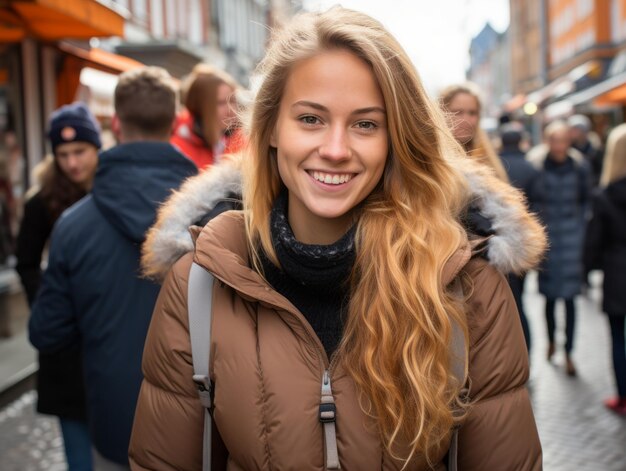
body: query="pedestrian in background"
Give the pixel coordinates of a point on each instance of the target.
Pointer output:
(65, 178)
(208, 127)
(463, 107)
(605, 248)
(339, 277)
(92, 295)
(587, 143)
(523, 176)
(562, 200)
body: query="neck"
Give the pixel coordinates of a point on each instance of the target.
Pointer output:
(87, 185)
(130, 137)
(310, 229)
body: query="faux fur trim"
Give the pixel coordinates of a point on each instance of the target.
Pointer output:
(169, 238)
(520, 240)
(517, 246)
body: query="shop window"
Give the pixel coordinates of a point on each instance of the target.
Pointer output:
(12, 160)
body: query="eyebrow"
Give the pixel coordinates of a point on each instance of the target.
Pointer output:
(317, 106)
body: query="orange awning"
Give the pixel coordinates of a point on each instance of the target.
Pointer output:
(612, 97)
(58, 19)
(101, 59)
(77, 58)
(11, 27)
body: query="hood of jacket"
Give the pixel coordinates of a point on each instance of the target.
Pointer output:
(517, 245)
(132, 179)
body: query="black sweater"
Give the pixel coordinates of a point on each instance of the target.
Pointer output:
(313, 277)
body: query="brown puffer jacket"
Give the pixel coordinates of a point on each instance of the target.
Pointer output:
(267, 365)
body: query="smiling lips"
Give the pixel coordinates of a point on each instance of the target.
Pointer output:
(332, 178)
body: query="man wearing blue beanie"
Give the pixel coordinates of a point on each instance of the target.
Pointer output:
(93, 294)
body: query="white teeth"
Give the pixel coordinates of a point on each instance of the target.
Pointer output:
(333, 179)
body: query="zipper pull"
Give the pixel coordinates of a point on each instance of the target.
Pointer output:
(327, 416)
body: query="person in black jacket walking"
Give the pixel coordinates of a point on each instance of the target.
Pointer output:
(523, 176)
(605, 248)
(92, 294)
(65, 177)
(562, 200)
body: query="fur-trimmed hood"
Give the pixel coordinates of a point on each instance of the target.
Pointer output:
(517, 245)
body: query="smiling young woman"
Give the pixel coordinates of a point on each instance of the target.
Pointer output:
(345, 267)
(331, 143)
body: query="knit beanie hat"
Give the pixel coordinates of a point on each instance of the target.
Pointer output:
(73, 123)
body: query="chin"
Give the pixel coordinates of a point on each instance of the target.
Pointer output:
(329, 213)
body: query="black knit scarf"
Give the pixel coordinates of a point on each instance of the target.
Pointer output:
(313, 277)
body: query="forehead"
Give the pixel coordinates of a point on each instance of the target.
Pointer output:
(70, 147)
(224, 90)
(463, 100)
(559, 135)
(329, 75)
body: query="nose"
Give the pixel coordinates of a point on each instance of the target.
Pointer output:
(336, 145)
(73, 161)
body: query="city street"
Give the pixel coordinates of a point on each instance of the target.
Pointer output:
(576, 431)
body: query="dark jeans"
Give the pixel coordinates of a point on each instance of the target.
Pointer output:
(517, 287)
(77, 444)
(570, 320)
(619, 353)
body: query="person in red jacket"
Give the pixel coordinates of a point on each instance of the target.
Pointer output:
(207, 127)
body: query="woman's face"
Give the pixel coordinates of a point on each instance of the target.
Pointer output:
(464, 117)
(332, 142)
(78, 161)
(226, 106)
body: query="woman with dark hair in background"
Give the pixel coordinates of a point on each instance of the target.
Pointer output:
(605, 248)
(65, 177)
(208, 127)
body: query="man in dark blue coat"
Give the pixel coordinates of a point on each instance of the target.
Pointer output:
(523, 176)
(92, 293)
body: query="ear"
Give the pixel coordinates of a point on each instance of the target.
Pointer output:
(273, 140)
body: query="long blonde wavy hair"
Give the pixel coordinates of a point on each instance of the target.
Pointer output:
(396, 343)
(479, 147)
(614, 166)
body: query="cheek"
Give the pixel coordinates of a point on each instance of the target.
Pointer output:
(284, 169)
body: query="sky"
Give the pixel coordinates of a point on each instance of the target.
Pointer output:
(435, 33)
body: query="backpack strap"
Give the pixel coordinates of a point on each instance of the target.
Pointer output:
(458, 357)
(199, 307)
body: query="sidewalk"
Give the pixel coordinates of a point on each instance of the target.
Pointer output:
(17, 356)
(576, 431)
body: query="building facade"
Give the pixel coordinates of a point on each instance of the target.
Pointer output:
(568, 56)
(527, 30)
(490, 54)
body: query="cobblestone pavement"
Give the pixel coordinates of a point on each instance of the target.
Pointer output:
(28, 441)
(576, 431)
